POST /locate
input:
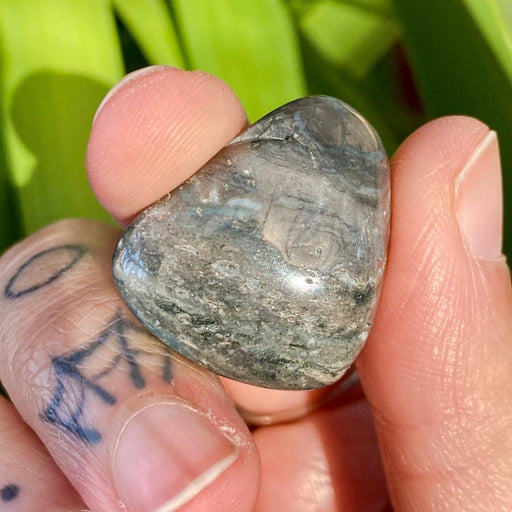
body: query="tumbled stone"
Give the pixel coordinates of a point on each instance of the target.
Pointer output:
(265, 265)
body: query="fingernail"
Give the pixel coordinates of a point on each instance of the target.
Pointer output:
(479, 201)
(166, 454)
(125, 80)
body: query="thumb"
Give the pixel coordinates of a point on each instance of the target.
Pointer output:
(437, 368)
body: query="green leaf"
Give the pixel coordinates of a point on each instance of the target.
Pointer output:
(9, 220)
(9, 223)
(58, 59)
(150, 24)
(252, 46)
(494, 17)
(459, 72)
(350, 34)
(388, 87)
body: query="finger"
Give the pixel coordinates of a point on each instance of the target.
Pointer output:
(437, 368)
(154, 130)
(262, 406)
(126, 422)
(29, 479)
(327, 461)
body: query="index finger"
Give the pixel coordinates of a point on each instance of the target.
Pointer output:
(153, 130)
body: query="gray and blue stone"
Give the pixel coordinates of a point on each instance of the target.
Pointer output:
(265, 266)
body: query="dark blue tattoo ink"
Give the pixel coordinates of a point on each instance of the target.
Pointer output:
(73, 389)
(9, 492)
(167, 369)
(75, 254)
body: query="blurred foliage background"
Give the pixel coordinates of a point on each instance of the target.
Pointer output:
(399, 62)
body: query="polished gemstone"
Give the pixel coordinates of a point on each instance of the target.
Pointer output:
(265, 265)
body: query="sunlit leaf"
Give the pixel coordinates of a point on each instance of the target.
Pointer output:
(58, 59)
(349, 34)
(151, 26)
(494, 17)
(251, 45)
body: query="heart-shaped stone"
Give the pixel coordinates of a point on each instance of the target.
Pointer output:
(265, 265)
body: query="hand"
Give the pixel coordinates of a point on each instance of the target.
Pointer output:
(120, 423)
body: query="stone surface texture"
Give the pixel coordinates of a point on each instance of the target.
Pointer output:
(265, 265)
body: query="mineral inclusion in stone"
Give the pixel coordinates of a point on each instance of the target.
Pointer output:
(265, 265)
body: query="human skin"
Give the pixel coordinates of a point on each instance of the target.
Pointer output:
(119, 421)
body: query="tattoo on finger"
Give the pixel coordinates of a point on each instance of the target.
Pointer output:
(9, 492)
(76, 386)
(42, 264)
